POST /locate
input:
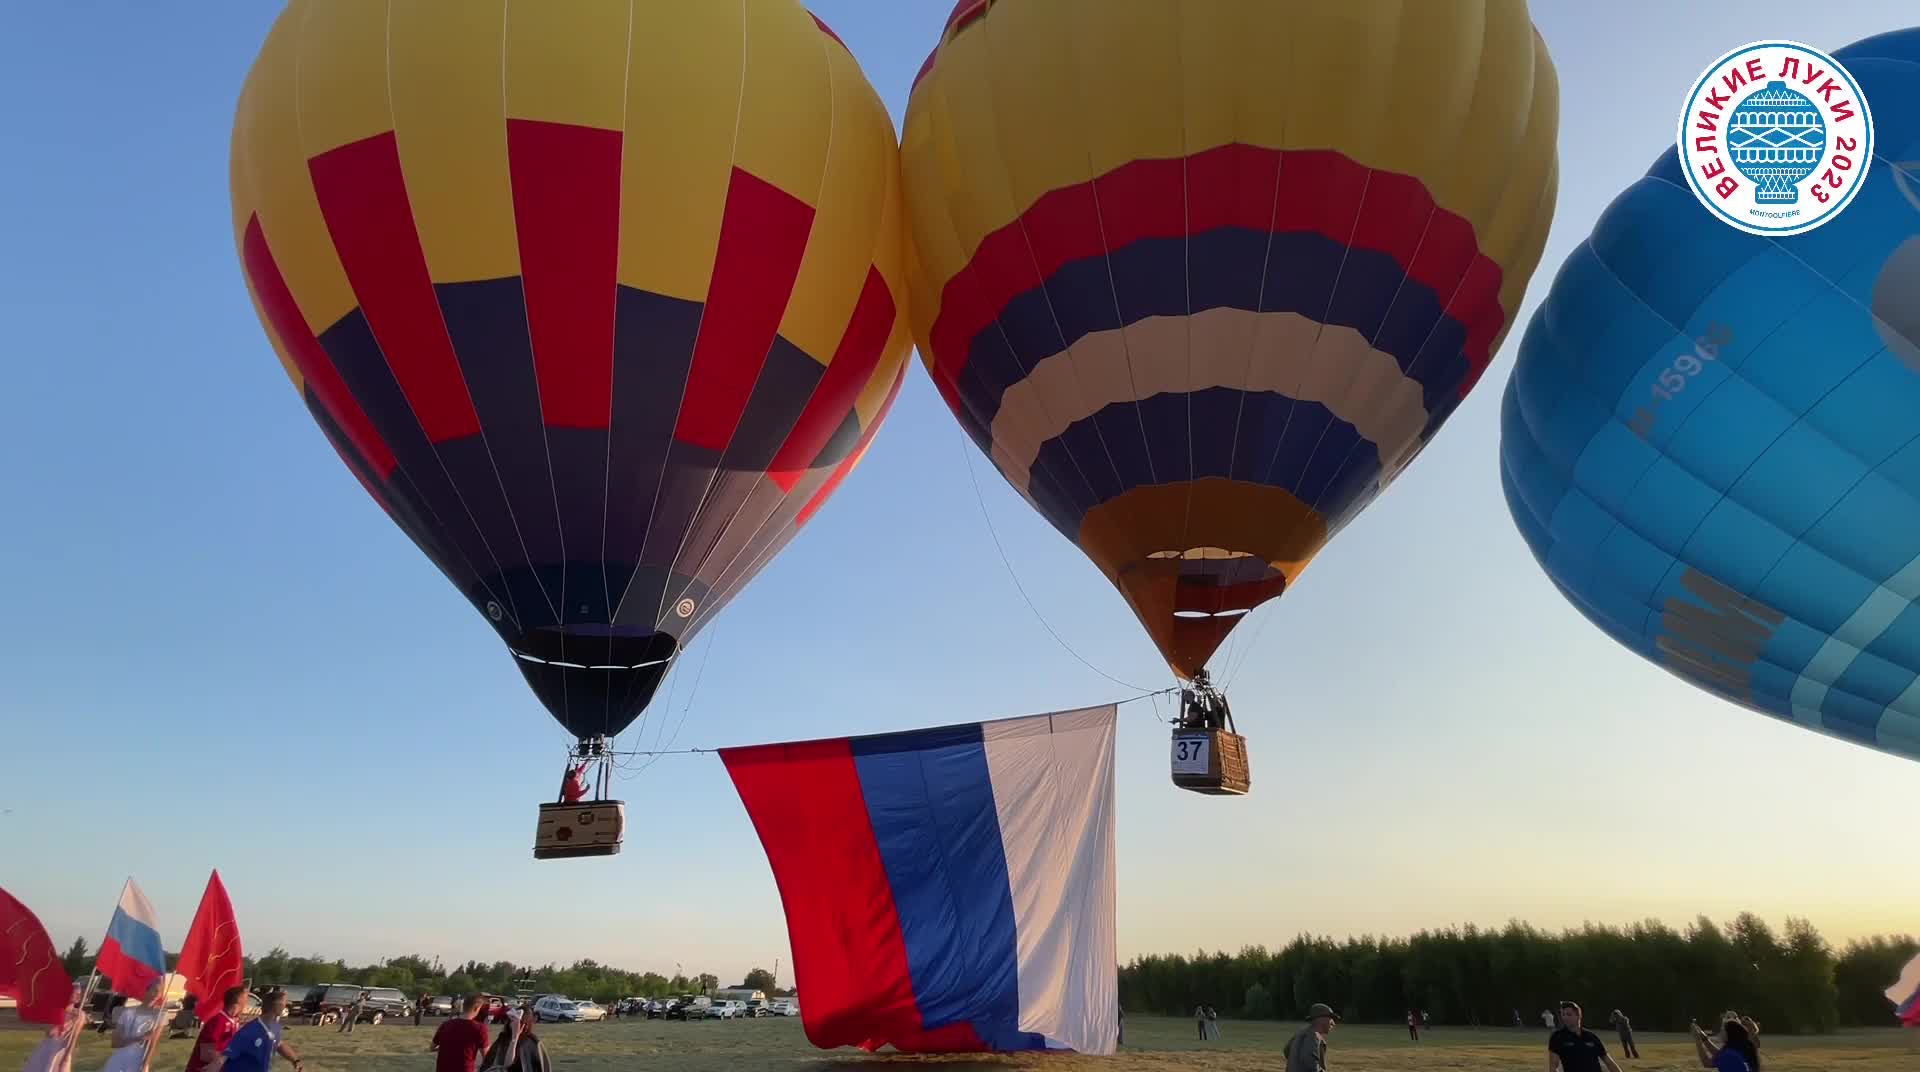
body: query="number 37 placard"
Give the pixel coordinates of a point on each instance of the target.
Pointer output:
(1190, 753)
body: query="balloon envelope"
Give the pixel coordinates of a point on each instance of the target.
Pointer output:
(598, 300)
(1201, 278)
(1711, 440)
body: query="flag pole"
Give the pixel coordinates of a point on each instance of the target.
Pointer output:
(94, 977)
(159, 1022)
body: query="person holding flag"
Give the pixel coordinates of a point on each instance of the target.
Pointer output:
(130, 957)
(55, 1052)
(30, 971)
(211, 959)
(134, 963)
(32, 975)
(136, 1027)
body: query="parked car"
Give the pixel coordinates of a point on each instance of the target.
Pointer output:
(587, 1010)
(553, 1009)
(728, 1010)
(297, 995)
(439, 1005)
(326, 1004)
(783, 1007)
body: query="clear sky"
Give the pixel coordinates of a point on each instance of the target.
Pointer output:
(217, 651)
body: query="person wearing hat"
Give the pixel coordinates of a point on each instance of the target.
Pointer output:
(1307, 1050)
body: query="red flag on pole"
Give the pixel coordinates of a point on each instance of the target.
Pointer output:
(30, 969)
(211, 957)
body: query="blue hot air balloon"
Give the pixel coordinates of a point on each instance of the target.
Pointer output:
(1711, 439)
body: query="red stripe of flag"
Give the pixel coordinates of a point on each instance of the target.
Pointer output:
(953, 1038)
(849, 954)
(283, 314)
(763, 235)
(852, 366)
(566, 210)
(363, 196)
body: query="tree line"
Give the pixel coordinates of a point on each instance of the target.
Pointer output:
(1660, 977)
(413, 975)
(1791, 982)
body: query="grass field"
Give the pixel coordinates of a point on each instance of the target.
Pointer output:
(776, 1045)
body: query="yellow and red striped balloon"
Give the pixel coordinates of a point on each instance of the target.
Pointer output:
(599, 300)
(1202, 276)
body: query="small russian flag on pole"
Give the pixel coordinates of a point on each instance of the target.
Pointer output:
(131, 957)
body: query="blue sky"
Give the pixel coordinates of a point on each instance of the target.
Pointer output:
(218, 652)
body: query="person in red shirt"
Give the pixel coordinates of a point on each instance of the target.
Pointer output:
(210, 1049)
(574, 786)
(460, 1040)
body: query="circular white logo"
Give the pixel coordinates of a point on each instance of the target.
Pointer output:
(684, 608)
(1776, 138)
(494, 610)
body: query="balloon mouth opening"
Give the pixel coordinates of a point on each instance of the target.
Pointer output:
(564, 665)
(1201, 554)
(1213, 583)
(602, 651)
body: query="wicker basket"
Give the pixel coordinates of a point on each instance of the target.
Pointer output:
(1210, 761)
(589, 828)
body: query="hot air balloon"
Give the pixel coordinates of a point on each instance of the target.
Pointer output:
(1708, 441)
(599, 301)
(1202, 278)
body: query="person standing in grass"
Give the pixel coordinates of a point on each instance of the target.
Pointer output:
(500, 1055)
(461, 1040)
(1625, 1027)
(530, 1054)
(1306, 1051)
(351, 1012)
(1572, 1048)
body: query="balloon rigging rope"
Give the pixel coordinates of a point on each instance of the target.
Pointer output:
(666, 748)
(1124, 700)
(966, 459)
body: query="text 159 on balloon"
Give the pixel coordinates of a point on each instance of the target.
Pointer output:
(1674, 378)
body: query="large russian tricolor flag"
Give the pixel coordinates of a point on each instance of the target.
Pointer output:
(131, 957)
(949, 889)
(1905, 994)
